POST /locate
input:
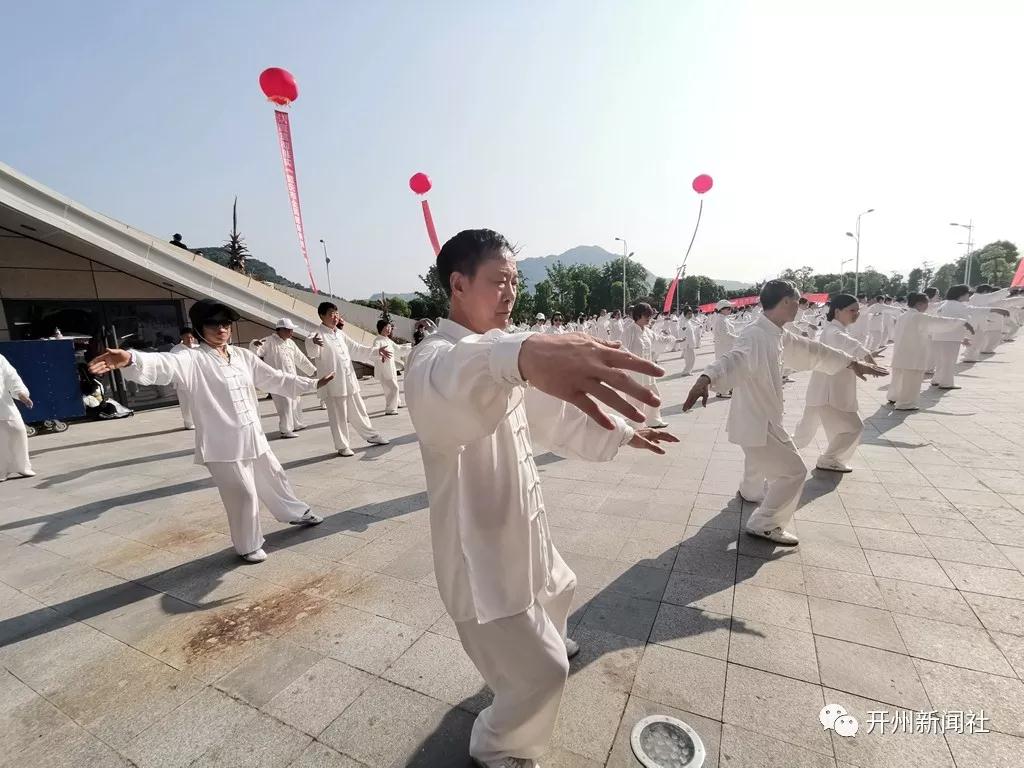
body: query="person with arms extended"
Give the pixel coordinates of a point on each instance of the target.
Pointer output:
(480, 399)
(773, 472)
(221, 382)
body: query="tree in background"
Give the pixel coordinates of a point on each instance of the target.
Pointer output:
(235, 246)
(523, 311)
(398, 306)
(544, 298)
(658, 291)
(997, 262)
(699, 289)
(434, 303)
(915, 280)
(580, 296)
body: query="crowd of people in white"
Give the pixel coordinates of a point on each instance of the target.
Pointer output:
(482, 391)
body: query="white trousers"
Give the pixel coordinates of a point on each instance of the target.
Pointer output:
(774, 475)
(842, 428)
(991, 340)
(13, 448)
(392, 398)
(342, 411)
(944, 354)
(905, 388)
(874, 340)
(289, 413)
(243, 485)
(652, 413)
(972, 353)
(687, 358)
(522, 658)
(185, 403)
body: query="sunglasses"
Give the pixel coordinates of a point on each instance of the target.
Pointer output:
(218, 324)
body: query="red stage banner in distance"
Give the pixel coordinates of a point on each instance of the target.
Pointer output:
(670, 295)
(1018, 277)
(284, 135)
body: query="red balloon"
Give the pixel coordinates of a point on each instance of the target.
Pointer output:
(279, 85)
(420, 183)
(702, 184)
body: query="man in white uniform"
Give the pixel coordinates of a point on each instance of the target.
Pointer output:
(773, 473)
(187, 341)
(724, 335)
(539, 325)
(479, 400)
(13, 435)
(230, 443)
(687, 333)
(281, 352)
(332, 351)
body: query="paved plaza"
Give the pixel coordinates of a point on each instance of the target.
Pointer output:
(130, 633)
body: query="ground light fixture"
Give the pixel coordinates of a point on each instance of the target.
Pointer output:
(660, 741)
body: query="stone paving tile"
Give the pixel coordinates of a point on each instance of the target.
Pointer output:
(588, 719)
(925, 600)
(923, 570)
(682, 680)
(261, 743)
(991, 750)
(952, 644)
(267, 672)
(870, 672)
(772, 606)
(985, 579)
(691, 629)
(438, 667)
(958, 689)
(321, 693)
(855, 623)
(774, 649)
(843, 587)
(745, 749)
(778, 707)
(318, 755)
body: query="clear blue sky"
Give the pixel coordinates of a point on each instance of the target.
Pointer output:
(558, 123)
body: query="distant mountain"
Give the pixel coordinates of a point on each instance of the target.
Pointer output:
(406, 296)
(254, 267)
(534, 269)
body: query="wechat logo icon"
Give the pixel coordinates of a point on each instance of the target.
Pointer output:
(838, 719)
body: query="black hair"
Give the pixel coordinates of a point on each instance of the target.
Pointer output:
(861, 296)
(956, 291)
(326, 307)
(687, 311)
(931, 292)
(465, 252)
(914, 298)
(381, 324)
(775, 291)
(837, 302)
(803, 300)
(642, 309)
(880, 297)
(187, 329)
(985, 288)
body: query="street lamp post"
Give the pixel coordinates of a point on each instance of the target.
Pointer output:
(624, 257)
(856, 266)
(327, 260)
(969, 226)
(842, 272)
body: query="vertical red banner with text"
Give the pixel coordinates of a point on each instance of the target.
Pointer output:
(284, 135)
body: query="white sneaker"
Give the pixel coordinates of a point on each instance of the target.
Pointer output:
(307, 519)
(288, 435)
(27, 473)
(748, 501)
(190, 426)
(377, 440)
(390, 413)
(657, 424)
(831, 465)
(777, 534)
(508, 762)
(346, 452)
(255, 557)
(299, 427)
(572, 648)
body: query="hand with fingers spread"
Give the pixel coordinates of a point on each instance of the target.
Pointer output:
(647, 439)
(699, 391)
(863, 370)
(581, 370)
(26, 401)
(321, 383)
(110, 360)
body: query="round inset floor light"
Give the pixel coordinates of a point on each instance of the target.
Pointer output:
(660, 741)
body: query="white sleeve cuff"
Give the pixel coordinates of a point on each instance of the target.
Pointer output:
(504, 359)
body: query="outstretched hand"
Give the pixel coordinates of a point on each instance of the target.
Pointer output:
(647, 439)
(325, 380)
(385, 354)
(699, 391)
(581, 370)
(26, 401)
(863, 370)
(110, 360)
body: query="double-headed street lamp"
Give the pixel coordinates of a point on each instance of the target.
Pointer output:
(970, 242)
(624, 257)
(327, 259)
(856, 236)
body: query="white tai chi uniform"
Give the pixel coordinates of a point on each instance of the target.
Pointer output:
(911, 352)
(386, 373)
(773, 472)
(285, 356)
(832, 401)
(183, 401)
(13, 436)
(229, 437)
(723, 333)
(615, 329)
(946, 344)
(641, 342)
(499, 574)
(687, 332)
(344, 403)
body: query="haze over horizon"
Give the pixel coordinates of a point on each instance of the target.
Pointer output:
(558, 124)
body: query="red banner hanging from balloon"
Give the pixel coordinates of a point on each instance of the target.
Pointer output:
(1018, 277)
(284, 135)
(431, 232)
(670, 295)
